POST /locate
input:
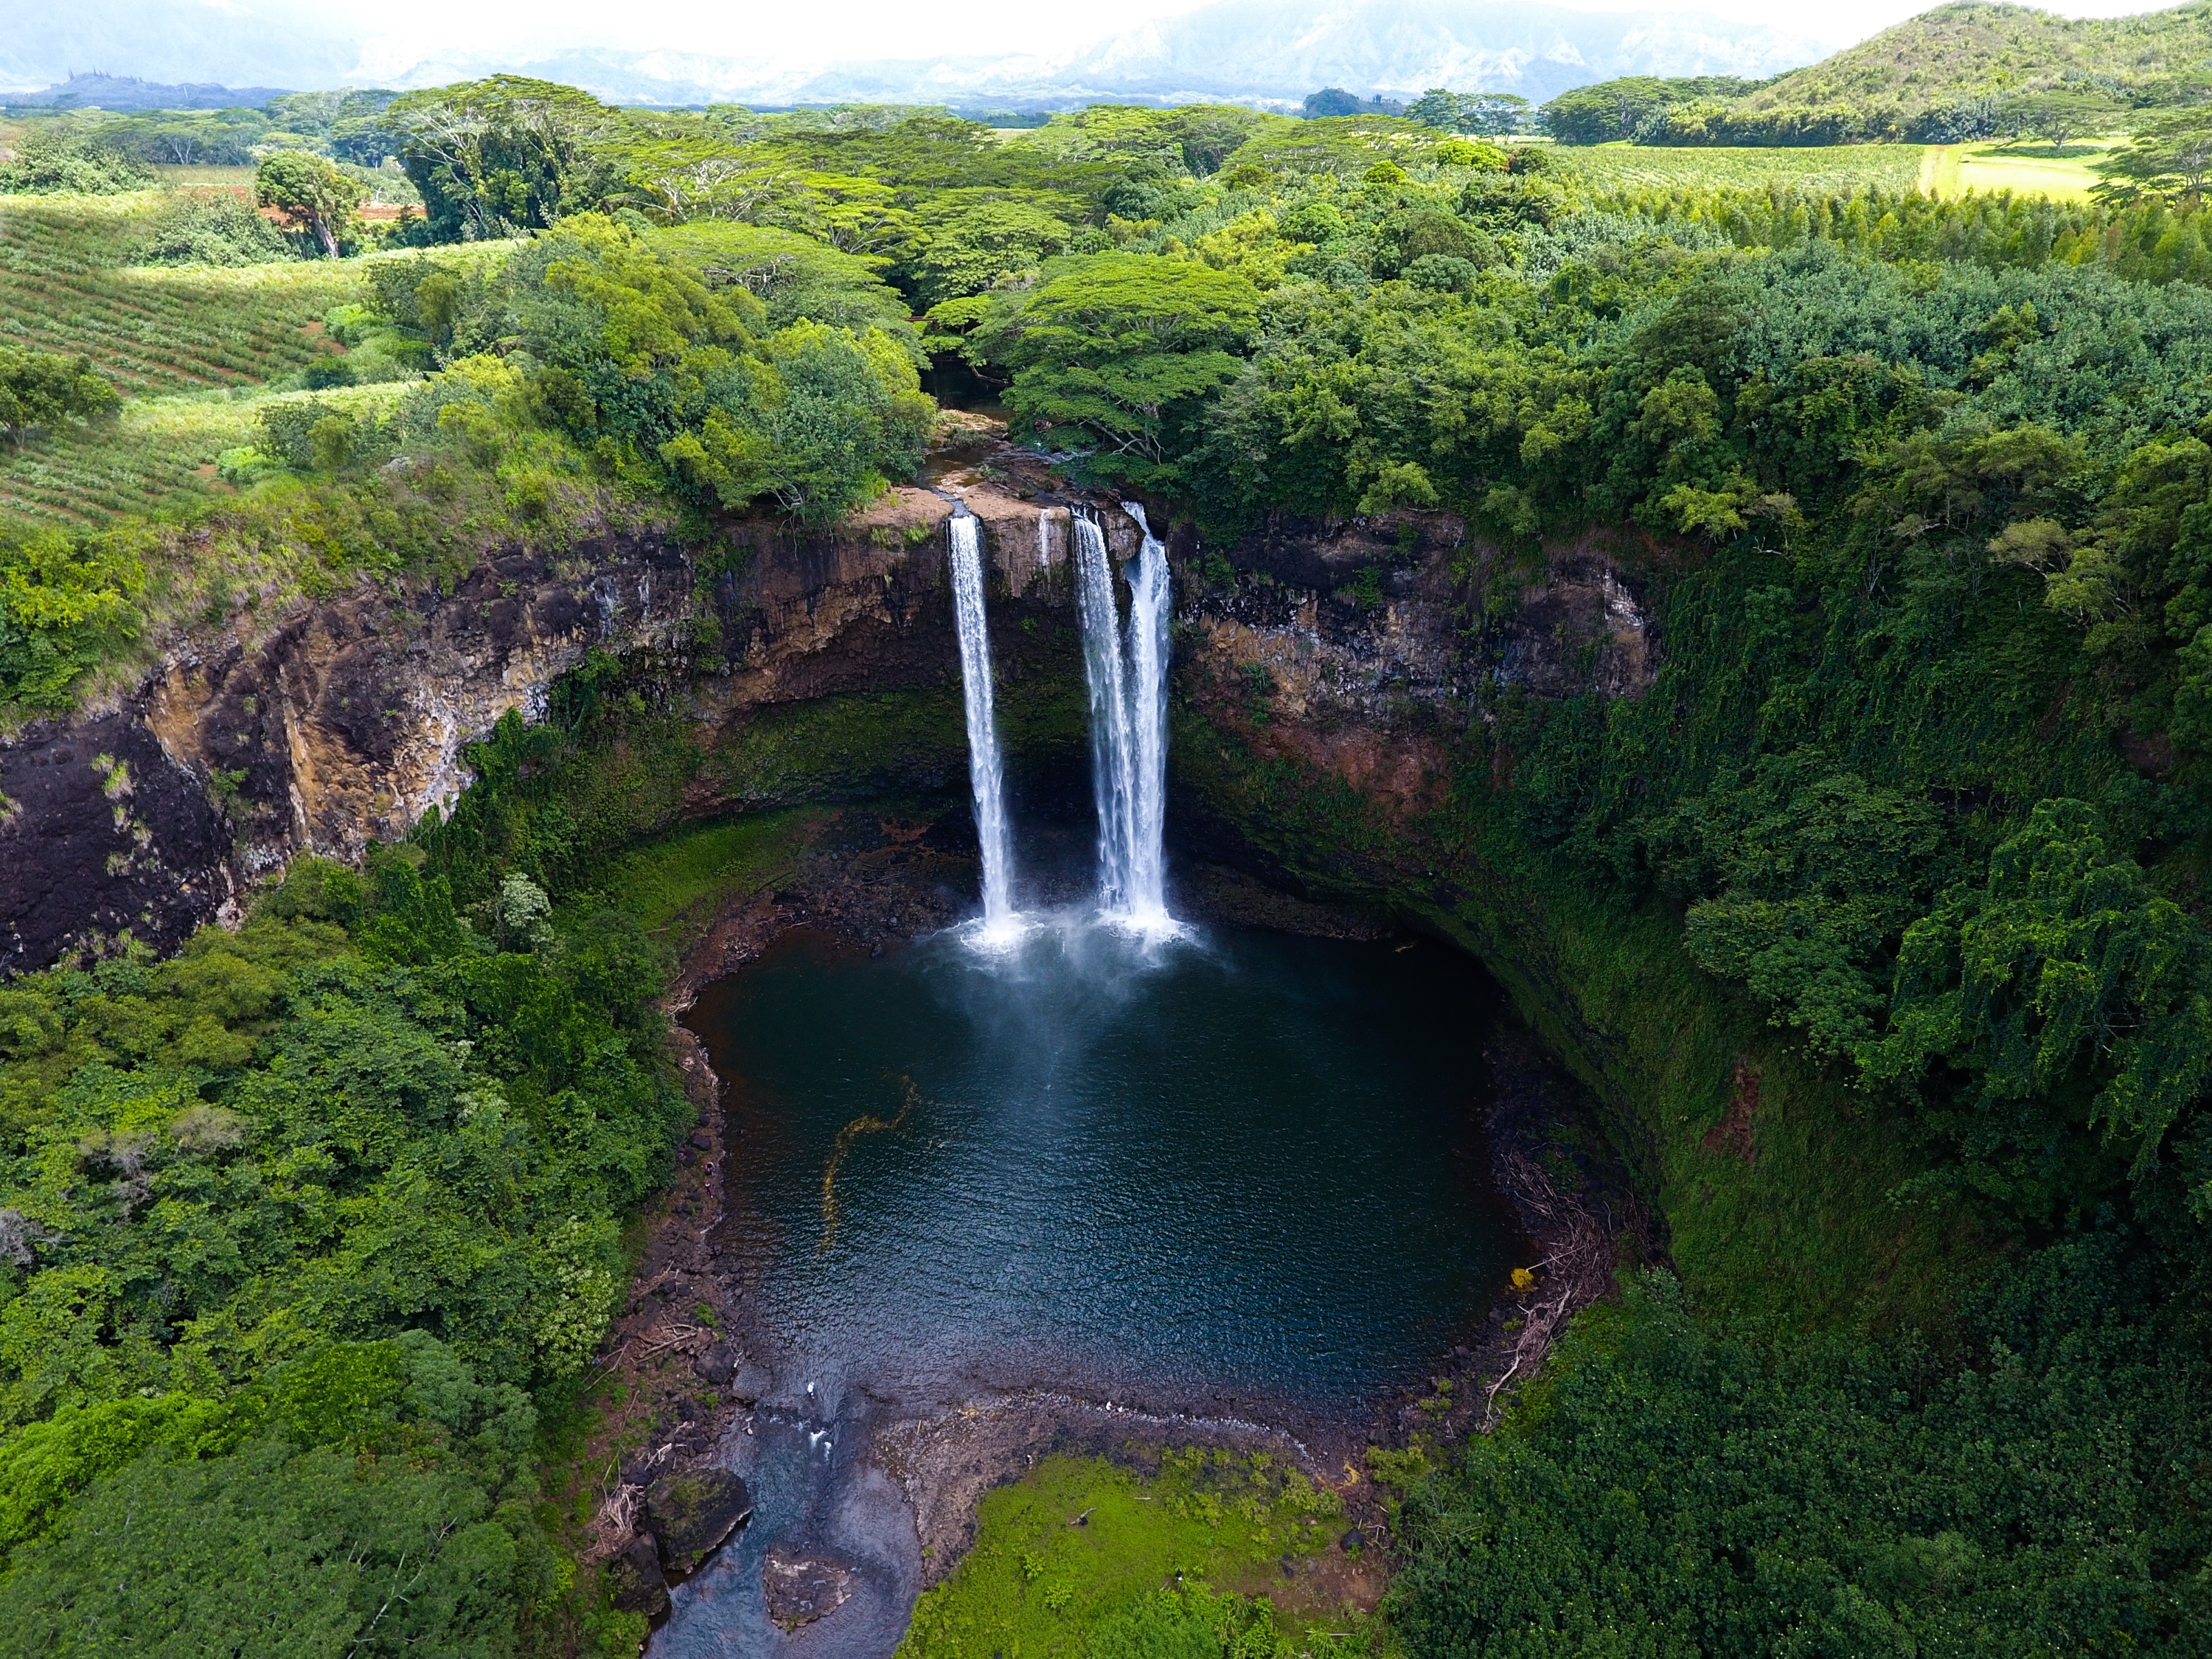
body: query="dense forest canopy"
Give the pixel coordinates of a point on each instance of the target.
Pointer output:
(303, 1231)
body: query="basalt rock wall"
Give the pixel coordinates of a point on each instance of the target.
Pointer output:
(345, 720)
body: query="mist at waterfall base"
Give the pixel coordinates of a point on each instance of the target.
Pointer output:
(1200, 1170)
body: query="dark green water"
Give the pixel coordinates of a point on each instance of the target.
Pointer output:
(1243, 1168)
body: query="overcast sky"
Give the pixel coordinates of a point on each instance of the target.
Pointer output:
(857, 29)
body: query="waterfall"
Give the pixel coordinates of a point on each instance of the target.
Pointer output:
(984, 772)
(1128, 722)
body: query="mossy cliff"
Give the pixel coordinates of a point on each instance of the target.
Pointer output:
(1326, 734)
(1325, 737)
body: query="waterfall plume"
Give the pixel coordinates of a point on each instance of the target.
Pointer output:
(1127, 681)
(985, 774)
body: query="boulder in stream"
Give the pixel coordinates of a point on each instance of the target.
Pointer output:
(634, 1579)
(692, 1512)
(801, 1589)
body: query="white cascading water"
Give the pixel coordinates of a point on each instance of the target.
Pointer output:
(1128, 724)
(985, 773)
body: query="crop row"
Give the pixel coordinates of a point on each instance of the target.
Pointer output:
(158, 456)
(1835, 167)
(152, 330)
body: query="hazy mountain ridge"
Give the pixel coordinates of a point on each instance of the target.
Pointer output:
(1250, 50)
(1243, 50)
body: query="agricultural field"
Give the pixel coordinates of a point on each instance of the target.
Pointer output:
(2064, 174)
(66, 285)
(1653, 166)
(159, 455)
(194, 350)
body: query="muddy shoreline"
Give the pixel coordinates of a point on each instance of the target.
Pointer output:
(693, 1368)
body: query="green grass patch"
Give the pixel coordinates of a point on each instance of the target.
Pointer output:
(1084, 1557)
(2063, 175)
(675, 884)
(1807, 167)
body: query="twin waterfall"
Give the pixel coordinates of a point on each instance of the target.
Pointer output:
(1128, 722)
(1127, 677)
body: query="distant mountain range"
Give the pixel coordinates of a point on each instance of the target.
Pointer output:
(1246, 50)
(199, 46)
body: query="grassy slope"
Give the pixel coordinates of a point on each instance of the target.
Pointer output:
(1969, 48)
(1035, 1580)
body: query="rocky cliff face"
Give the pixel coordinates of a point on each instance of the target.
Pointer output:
(1354, 647)
(344, 721)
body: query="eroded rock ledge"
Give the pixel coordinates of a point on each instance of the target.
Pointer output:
(1350, 645)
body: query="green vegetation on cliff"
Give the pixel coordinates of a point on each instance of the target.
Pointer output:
(1877, 916)
(301, 1234)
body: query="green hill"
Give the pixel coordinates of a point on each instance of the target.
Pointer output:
(1961, 71)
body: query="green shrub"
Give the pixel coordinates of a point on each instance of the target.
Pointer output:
(69, 161)
(213, 229)
(65, 604)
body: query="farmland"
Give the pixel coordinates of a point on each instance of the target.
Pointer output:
(1834, 167)
(65, 286)
(158, 457)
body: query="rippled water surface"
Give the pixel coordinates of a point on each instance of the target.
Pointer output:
(1243, 1159)
(1235, 1172)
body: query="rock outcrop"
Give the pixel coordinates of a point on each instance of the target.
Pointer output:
(347, 720)
(691, 1512)
(1349, 644)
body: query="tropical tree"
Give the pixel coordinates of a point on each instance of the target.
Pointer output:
(495, 157)
(1486, 113)
(1116, 357)
(312, 190)
(2171, 156)
(2058, 117)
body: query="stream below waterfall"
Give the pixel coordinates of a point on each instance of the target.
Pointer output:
(1234, 1175)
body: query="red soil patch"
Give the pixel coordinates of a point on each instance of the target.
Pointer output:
(1733, 1133)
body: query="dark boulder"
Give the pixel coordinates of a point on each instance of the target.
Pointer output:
(749, 1383)
(717, 1365)
(801, 1589)
(634, 1577)
(692, 1512)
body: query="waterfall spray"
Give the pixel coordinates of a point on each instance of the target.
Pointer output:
(1149, 602)
(985, 774)
(1128, 724)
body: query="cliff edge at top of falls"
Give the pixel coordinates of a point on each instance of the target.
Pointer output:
(338, 721)
(344, 720)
